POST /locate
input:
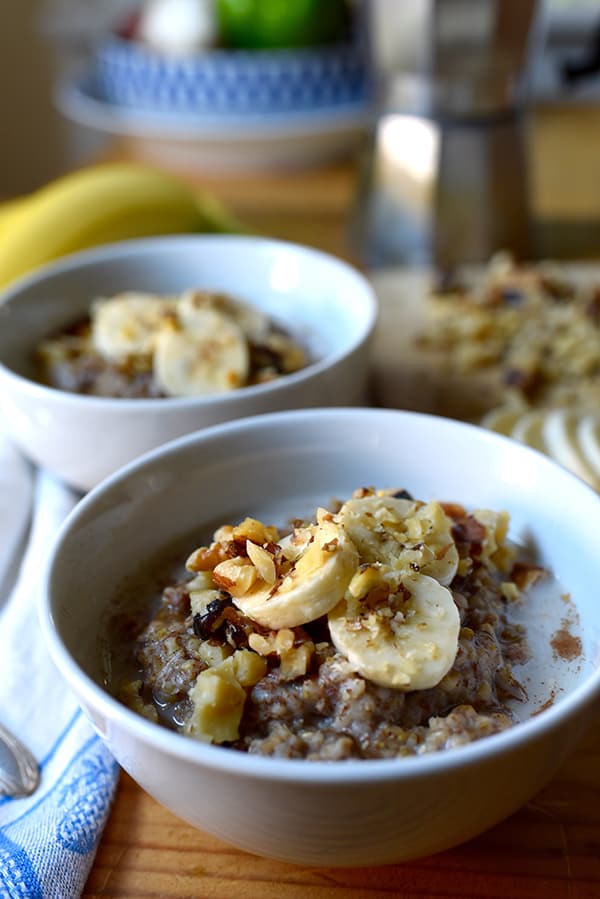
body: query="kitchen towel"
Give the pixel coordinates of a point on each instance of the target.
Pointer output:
(47, 840)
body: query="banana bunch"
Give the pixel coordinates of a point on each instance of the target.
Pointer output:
(100, 204)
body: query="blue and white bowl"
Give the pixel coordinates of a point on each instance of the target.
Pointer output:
(231, 82)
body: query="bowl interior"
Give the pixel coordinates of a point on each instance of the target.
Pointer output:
(323, 302)
(282, 465)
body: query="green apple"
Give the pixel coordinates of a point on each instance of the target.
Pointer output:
(258, 24)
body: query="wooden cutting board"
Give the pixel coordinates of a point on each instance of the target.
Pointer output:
(404, 376)
(550, 849)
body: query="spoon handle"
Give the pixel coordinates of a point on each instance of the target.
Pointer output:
(22, 776)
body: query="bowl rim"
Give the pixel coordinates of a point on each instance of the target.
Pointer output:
(363, 771)
(150, 245)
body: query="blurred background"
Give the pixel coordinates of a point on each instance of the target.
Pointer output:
(70, 97)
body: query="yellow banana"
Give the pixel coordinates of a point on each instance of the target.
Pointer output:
(11, 211)
(215, 217)
(100, 204)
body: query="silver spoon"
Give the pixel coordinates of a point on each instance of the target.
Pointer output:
(19, 771)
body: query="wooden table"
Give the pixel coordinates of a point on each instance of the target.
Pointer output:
(550, 849)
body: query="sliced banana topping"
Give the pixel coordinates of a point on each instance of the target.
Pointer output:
(213, 359)
(315, 582)
(407, 640)
(379, 570)
(128, 324)
(193, 344)
(194, 303)
(408, 535)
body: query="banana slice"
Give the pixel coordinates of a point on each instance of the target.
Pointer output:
(502, 420)
(316, 582)
(193, 304)
(212, 359)
(128, 324)
(408, 535)
(588, 434)
(529, 429)
(560, 430)
(408, 641)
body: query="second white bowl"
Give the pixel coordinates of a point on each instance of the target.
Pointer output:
(323, 302)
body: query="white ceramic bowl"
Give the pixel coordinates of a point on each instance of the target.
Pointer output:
(329, 306)
(274, 466)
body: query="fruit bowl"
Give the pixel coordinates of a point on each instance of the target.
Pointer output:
(352, 812)
(328, 306)
(228, 84)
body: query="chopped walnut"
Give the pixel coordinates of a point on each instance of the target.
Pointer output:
(263, 561)
(294, 657)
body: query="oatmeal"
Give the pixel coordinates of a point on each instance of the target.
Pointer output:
(380, 629)
(142, 345)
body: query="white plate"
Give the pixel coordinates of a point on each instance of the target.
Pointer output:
(294, 140)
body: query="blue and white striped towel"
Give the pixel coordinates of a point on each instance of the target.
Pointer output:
(48, 840)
